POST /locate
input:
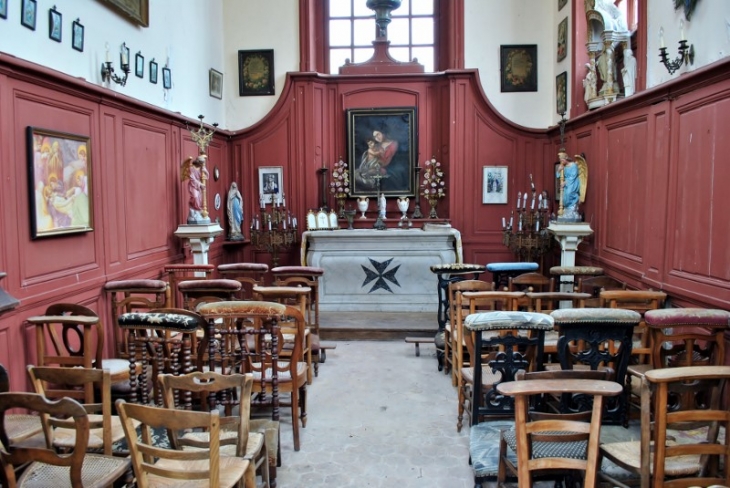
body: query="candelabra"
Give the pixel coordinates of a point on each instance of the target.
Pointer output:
(107, 70)
(526, 233)
(686, 52)
(274, 231)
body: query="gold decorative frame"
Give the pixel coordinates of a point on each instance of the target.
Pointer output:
(136, 11)
(256, 72)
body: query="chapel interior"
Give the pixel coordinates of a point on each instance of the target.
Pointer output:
(147, 145)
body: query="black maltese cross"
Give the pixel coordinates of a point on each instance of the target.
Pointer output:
(380, 274)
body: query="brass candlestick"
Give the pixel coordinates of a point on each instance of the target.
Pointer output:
(274, 231)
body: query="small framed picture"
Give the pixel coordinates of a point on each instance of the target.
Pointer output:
(494, 184)
(166, 78)
(215, 83)
(28, 13)
(562, 39)
(3, 9)
(139, 65)
(561, 92)
(561, 4)
(153, 71)
(54, 24)
(518, 64)
(270, 184)
(77, 36)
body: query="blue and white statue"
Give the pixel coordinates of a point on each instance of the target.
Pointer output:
(235, 213)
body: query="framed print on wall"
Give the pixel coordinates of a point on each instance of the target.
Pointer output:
(271, 181)
(139, 65)
(561, 92)
(256, 72)
(28, 13)
(382, 144)
(518, 66)
(561, 4)
(59, 180)
(215, 83)
(153, 71)
(494, 184)
(3, 9)
(77, 35)
(136, 11)
(562, 39)
(55, 24)
(166, 78)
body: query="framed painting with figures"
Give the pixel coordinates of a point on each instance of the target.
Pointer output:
(494, 184)
(59, 181)
(518, 65)
(382, 148)
(561, 92)
(270, 184)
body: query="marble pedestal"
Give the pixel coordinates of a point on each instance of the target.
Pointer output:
(368, 270)
(569, 235)
(200, 237)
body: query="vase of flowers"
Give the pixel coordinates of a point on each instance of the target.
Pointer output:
(340, 186)
(432, 185)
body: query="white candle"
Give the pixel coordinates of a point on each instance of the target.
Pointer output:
(108, 56)
(257, 224)
(504, 223)
(537, 226)
(125, 55)
(681, 30)
(283, 200)
(519, 197)
(539, 201)
(532, 203)
(519, 228)
(284, 222)
(294, 222)
(661, 37)
(269, 225)
(524, 200)
(261, 200)
(510, 222)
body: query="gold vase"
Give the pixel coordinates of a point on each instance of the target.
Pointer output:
(433, 202)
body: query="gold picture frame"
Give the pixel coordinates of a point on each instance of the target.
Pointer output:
(256, 72)
(136, 11)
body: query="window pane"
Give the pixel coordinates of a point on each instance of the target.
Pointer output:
(403, 10)
(337, 59)
(400, 53)
(364, 32)
(339, 33)
(422, 31)
(425, 57)
(340, 8)
(422, 7)
(361, 9)
(398, 32)
(363, 54)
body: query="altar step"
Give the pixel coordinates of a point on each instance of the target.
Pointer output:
(376, 326)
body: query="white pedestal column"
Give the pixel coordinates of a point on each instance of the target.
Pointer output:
(569, 235)
(200, 237)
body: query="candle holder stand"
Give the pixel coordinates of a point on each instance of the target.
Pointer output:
(274, 231)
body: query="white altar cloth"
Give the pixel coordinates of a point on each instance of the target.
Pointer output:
(367, 270)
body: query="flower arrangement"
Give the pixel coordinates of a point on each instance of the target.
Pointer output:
(433, 185)
(340, 184)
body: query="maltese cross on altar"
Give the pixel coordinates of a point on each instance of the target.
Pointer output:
(380, 274)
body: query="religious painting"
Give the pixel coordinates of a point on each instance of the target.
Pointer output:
(77, 36)
(3, 9)
(561, 4)
(55, 24)
(59, 180)
(256, 72)
(153, 71)
(561, 92)
(494, 184)
(271, 184)
(382, 148)
(139, 65)
(215, 83)
(136, 11)
(563, 39)
(28, 11)
(166, 78)
(518, 65)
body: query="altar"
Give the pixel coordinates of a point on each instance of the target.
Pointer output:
(367, 270)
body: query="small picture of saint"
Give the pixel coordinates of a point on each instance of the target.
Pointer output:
(271, 183)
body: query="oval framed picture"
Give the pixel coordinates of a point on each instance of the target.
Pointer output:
(216, 173)
(217, 201)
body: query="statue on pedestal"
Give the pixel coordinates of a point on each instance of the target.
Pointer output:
(573, 176)
(235, 213)
(590, 83)
(194, 171)
(628, 72)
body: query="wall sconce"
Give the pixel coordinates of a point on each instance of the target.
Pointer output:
(686, 52)
(107, 71)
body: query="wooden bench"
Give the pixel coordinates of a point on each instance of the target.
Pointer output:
(419, 340)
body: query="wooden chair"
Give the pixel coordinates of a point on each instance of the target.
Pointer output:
(454, 347)
(164, 466)
(595, 284)
(236, 438)
(70, 335)
(75, 468)
(261, 353)
(531, 283)
(184, 272)
(668, 458)
(532, 435)
(18, 427)
(547, 302)
(195, 292)
(481, 301)
(248, 274)
(54, 383)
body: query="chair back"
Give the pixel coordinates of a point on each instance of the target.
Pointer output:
(184, 272)
(212, 383)
(710, 454)
(531, 282)
(595, 284)
(546, 302)
(530, 433)
(18, 455)
(149, 459)
(248, 274)
(195, 292)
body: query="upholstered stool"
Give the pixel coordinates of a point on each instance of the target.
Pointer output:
(595, 329)
(180, 272)
(248, 274)
(298, 296)
(195, 292)
(168, 334)
(573, 275)
(133, 295)
(502, 272)
(484, 434)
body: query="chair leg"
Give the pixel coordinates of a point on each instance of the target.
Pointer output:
(249, 477)
(303, 405)
(460, 417)
(295, 416)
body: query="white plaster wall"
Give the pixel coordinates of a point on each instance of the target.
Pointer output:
(491, 23)
(253, 24)
(709, 31)
(182, 34)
